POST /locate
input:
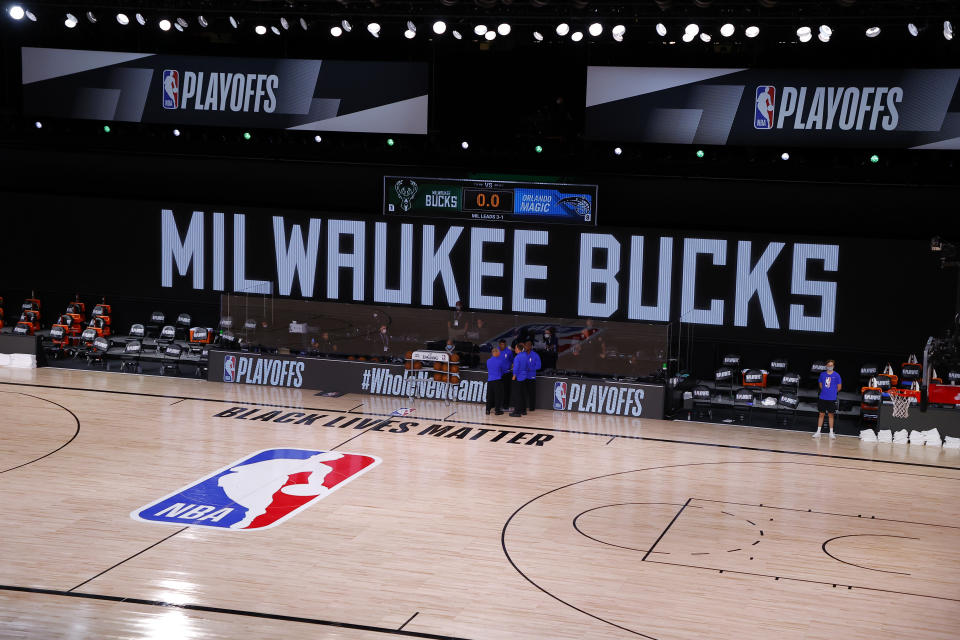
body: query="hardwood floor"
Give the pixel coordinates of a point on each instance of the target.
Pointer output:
(557, 525)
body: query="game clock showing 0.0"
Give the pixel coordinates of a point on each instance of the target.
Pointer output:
(488, 200)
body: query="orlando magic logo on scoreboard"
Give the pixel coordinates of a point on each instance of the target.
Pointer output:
(763, 112)
(171, 89)
(258, 491)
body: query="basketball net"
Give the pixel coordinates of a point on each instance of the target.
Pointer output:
(901, 404)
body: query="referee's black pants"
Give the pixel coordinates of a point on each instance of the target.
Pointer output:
(530, 393)
(495, 395)
(518, 395)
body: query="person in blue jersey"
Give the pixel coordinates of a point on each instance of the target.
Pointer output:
(533, 364)
(518, 392)
(495, 367)
(830, 385)
(507, 355)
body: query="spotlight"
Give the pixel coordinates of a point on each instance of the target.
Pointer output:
(176, 133)
(727, 30)
(873, 32)
(825, 33)
(233, 22)
(913, 30)
(874, 159)
(38, 124)
(595, 29)
(692, 28)
(538, 149)
(183, 23)
(700, 153)
(16, 12)
(390, 142)
(576, 36)
(246, 135)
(784, 156)
(948, 30)
(457, 35)
(661, 29)
(123, 19)
(538, 36)
(260, 30)
(347, 27)
(71, 21)
(141, 20)
(164, 25)
(336, 31)
(411, 26)
(804, 34)
(176, 25)
(480, 29)
(283, 23)
(374, 29)
(31, 16)
(202, 22)
(490, 35)
(618, 32)
(439, 27)
(705, 37)
(688, 37)
(274, 30)
(751, 31)
(464, 145)
(617, 151)
(563, 29)
(317, 139)
(92, 19)
(409, 35)
(106, 128)
(304, 24)
(504, 29)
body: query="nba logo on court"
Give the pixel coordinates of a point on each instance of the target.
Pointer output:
(229, 368)
(171, 89)
(259, 491)
(763, 113)
(559, 396)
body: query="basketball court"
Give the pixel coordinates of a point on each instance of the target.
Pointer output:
(556, 525)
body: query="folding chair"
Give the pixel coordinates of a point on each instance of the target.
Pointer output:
(870, 400)
(131, 355)
(59, 342)
(137, 331)
(702, 402)
(85, 344)
(101, 309)
(101, 324)
(78, 309)
(744, 400)
(97, 351)
(755, 378)
(910, 372)
(787, 404)
(816, 369)
(171, 358)
(867, 372)
(778, 367)
(723, 377)
(789, 383)
(732, 360)
(199, 336)
(167, 335)
(183, 325)
(157, 320)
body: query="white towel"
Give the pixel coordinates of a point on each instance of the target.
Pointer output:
(932, 434)
(884, 435)
(867, 435)
(951, 443)
(900, 437)
(4, 360)
(918, 437)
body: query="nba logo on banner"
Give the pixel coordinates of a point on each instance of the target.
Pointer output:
(763, 116)
(229, 368)
(259, 491)
(559, 396)
(171, 89)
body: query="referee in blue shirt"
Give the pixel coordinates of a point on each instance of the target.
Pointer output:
(533, 364)
(495, 368)
(518, 391)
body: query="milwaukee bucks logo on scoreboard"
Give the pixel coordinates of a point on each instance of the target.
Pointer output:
(490, 200)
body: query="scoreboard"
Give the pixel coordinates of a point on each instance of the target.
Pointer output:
(490, 200)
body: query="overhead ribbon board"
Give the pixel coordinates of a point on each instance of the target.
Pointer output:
(902, 108)
(269, 93)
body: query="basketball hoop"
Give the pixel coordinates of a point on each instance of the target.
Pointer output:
(901, 401)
